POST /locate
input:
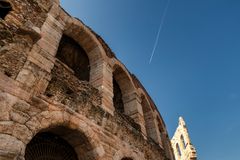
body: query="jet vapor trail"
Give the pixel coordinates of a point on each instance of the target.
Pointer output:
(159, 31)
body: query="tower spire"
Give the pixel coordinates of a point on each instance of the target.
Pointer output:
(181, 122)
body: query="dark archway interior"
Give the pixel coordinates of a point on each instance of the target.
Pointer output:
(117, 98)
(160, 126)
(48, 146)
(74, 56)
(59, 143)
(5, 8)
(127, 159)
(146, 107)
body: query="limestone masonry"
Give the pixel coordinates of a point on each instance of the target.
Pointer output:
(65, 96)
(181, 143)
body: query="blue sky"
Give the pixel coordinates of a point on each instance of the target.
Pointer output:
(195, 72)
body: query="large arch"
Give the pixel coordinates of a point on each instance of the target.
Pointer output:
(100, 71)
(61, 123)
(164, 138)
(160, 133)
(73, 55)
(76, 30)
(130, 98)
(51, 120)
(150, 125)
(123, 88)
(60, 145)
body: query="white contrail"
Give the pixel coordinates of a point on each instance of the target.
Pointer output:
(159, 31)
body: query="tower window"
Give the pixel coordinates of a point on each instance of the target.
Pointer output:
(183, 141)
(178, 150)
(5, 8)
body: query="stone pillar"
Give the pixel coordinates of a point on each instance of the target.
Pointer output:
(160, 133)
(167, 145)
(11, 148)
(133, 108)
(101, 78)
(151, 126)
(36, 71)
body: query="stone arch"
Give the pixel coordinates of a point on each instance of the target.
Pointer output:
(73, 55)
(150, 125)
(14, 136)
(48, 145)
(128, 154)
(100, 70)
(144, 94)
(162, 131)
(160, 125)
(76, 30)
(129, 96)
(70, 144)
(123, 88)
(70, 126)
(163, 136)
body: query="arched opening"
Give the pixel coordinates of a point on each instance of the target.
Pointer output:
(5, 8)
(117, 98)
(178, 150)
(59, 143)
(149, 120)
(74, 56)
(121, 90)
(48, 146)
(125, 98)
(183, 141)
(161, 130)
